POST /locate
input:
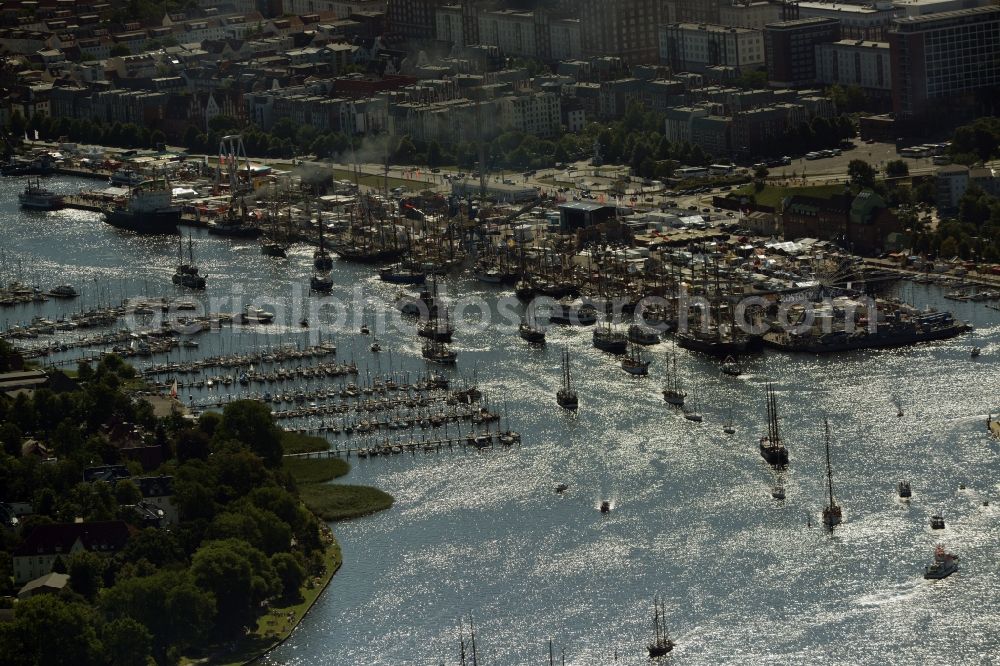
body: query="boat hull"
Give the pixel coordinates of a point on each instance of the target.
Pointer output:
(774, 456)
(154, 222)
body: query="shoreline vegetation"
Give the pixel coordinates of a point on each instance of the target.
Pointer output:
(237, 556)
(329, 502)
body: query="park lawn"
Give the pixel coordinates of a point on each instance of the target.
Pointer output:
(315, 470)
(336, 501)
(294, 442)
(773, 195)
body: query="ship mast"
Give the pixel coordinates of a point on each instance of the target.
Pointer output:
(829, 467)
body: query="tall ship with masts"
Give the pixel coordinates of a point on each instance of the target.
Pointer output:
(236, 223)
(148, 209)
(832, 513)
(566, 396)
(661, 644)
(771, 447)
(187, 274)
(672, 393)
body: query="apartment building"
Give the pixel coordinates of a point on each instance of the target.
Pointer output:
(940, 61)
(855, 63)
(869, 20)
(751, 15)
(689, 47)
(627, 29)
(790, 49)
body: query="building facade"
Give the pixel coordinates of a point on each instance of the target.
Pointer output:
(790, 49)
(690, 47)
(855, 63)
(627, 29)
(940, 61)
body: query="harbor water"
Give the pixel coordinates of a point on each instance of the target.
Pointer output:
(483, 534)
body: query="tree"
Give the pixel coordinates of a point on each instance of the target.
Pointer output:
(18, 125)
(86, 570)
(949, 248)
(52, 631)
(861, 173)
(127, 642)
(127, 493)
(251, 424)
(239, 576)
(159, 547)
(896, 169)
(10, 439)
(290, 573)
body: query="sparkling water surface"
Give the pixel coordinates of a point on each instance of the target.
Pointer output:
(483, 534)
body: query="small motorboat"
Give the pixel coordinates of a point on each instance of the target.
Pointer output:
(364, 329)
(605, 506)
(937, 522)
(976, 351)
(561, 487)
(731, 367)
(375, 347)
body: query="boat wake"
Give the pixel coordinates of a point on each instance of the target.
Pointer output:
(896, 594)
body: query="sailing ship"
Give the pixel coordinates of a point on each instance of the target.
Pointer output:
(832, 513)
(672, 392)
(661, 644)
(437, 328)
(187, 274)
(235, 224)
(634, 364)
(36, 197)
(148, 209)
(691, 412)
(944, 565)
(321, 283)
(610, 340)
(322, 261)
(903, 489)
(729, 428)
(937, 521)
(530, 331)
(401, 274)
(778, 491)
(566, 396)
(771, 447)
(437, 352)
(643, 335)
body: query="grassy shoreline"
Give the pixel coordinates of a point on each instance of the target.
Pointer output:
(328, 501)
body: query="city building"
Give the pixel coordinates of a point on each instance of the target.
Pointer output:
(790, 49)
(941, 61)
(861, 20)
(861, 223)
(45, 543)
(690, 47)
(855, 63)
(623, 28)
(752, 15)
(413, 19)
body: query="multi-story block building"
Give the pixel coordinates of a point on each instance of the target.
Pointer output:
(941, 61)
(752, 15)
(855, 63)
(413, 19)
(690, 47)
(861, 20)
(790, 49)
(623, 28)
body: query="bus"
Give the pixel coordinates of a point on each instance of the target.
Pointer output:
(721, 169)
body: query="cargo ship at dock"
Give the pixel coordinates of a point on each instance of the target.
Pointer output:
(148, 209)
(896, 331)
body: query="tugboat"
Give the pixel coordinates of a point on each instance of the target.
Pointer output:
(903, 489)
(832, 513)
(937, 522)
(672, 392)
(36, 197)
(731, 367)
(634, 363)
(771, 446)
(609, 340)
(530, 331)
(944, 565)
(566, 396)
(187, 274)
(561, 487)
(149, 209)
(661, 644)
